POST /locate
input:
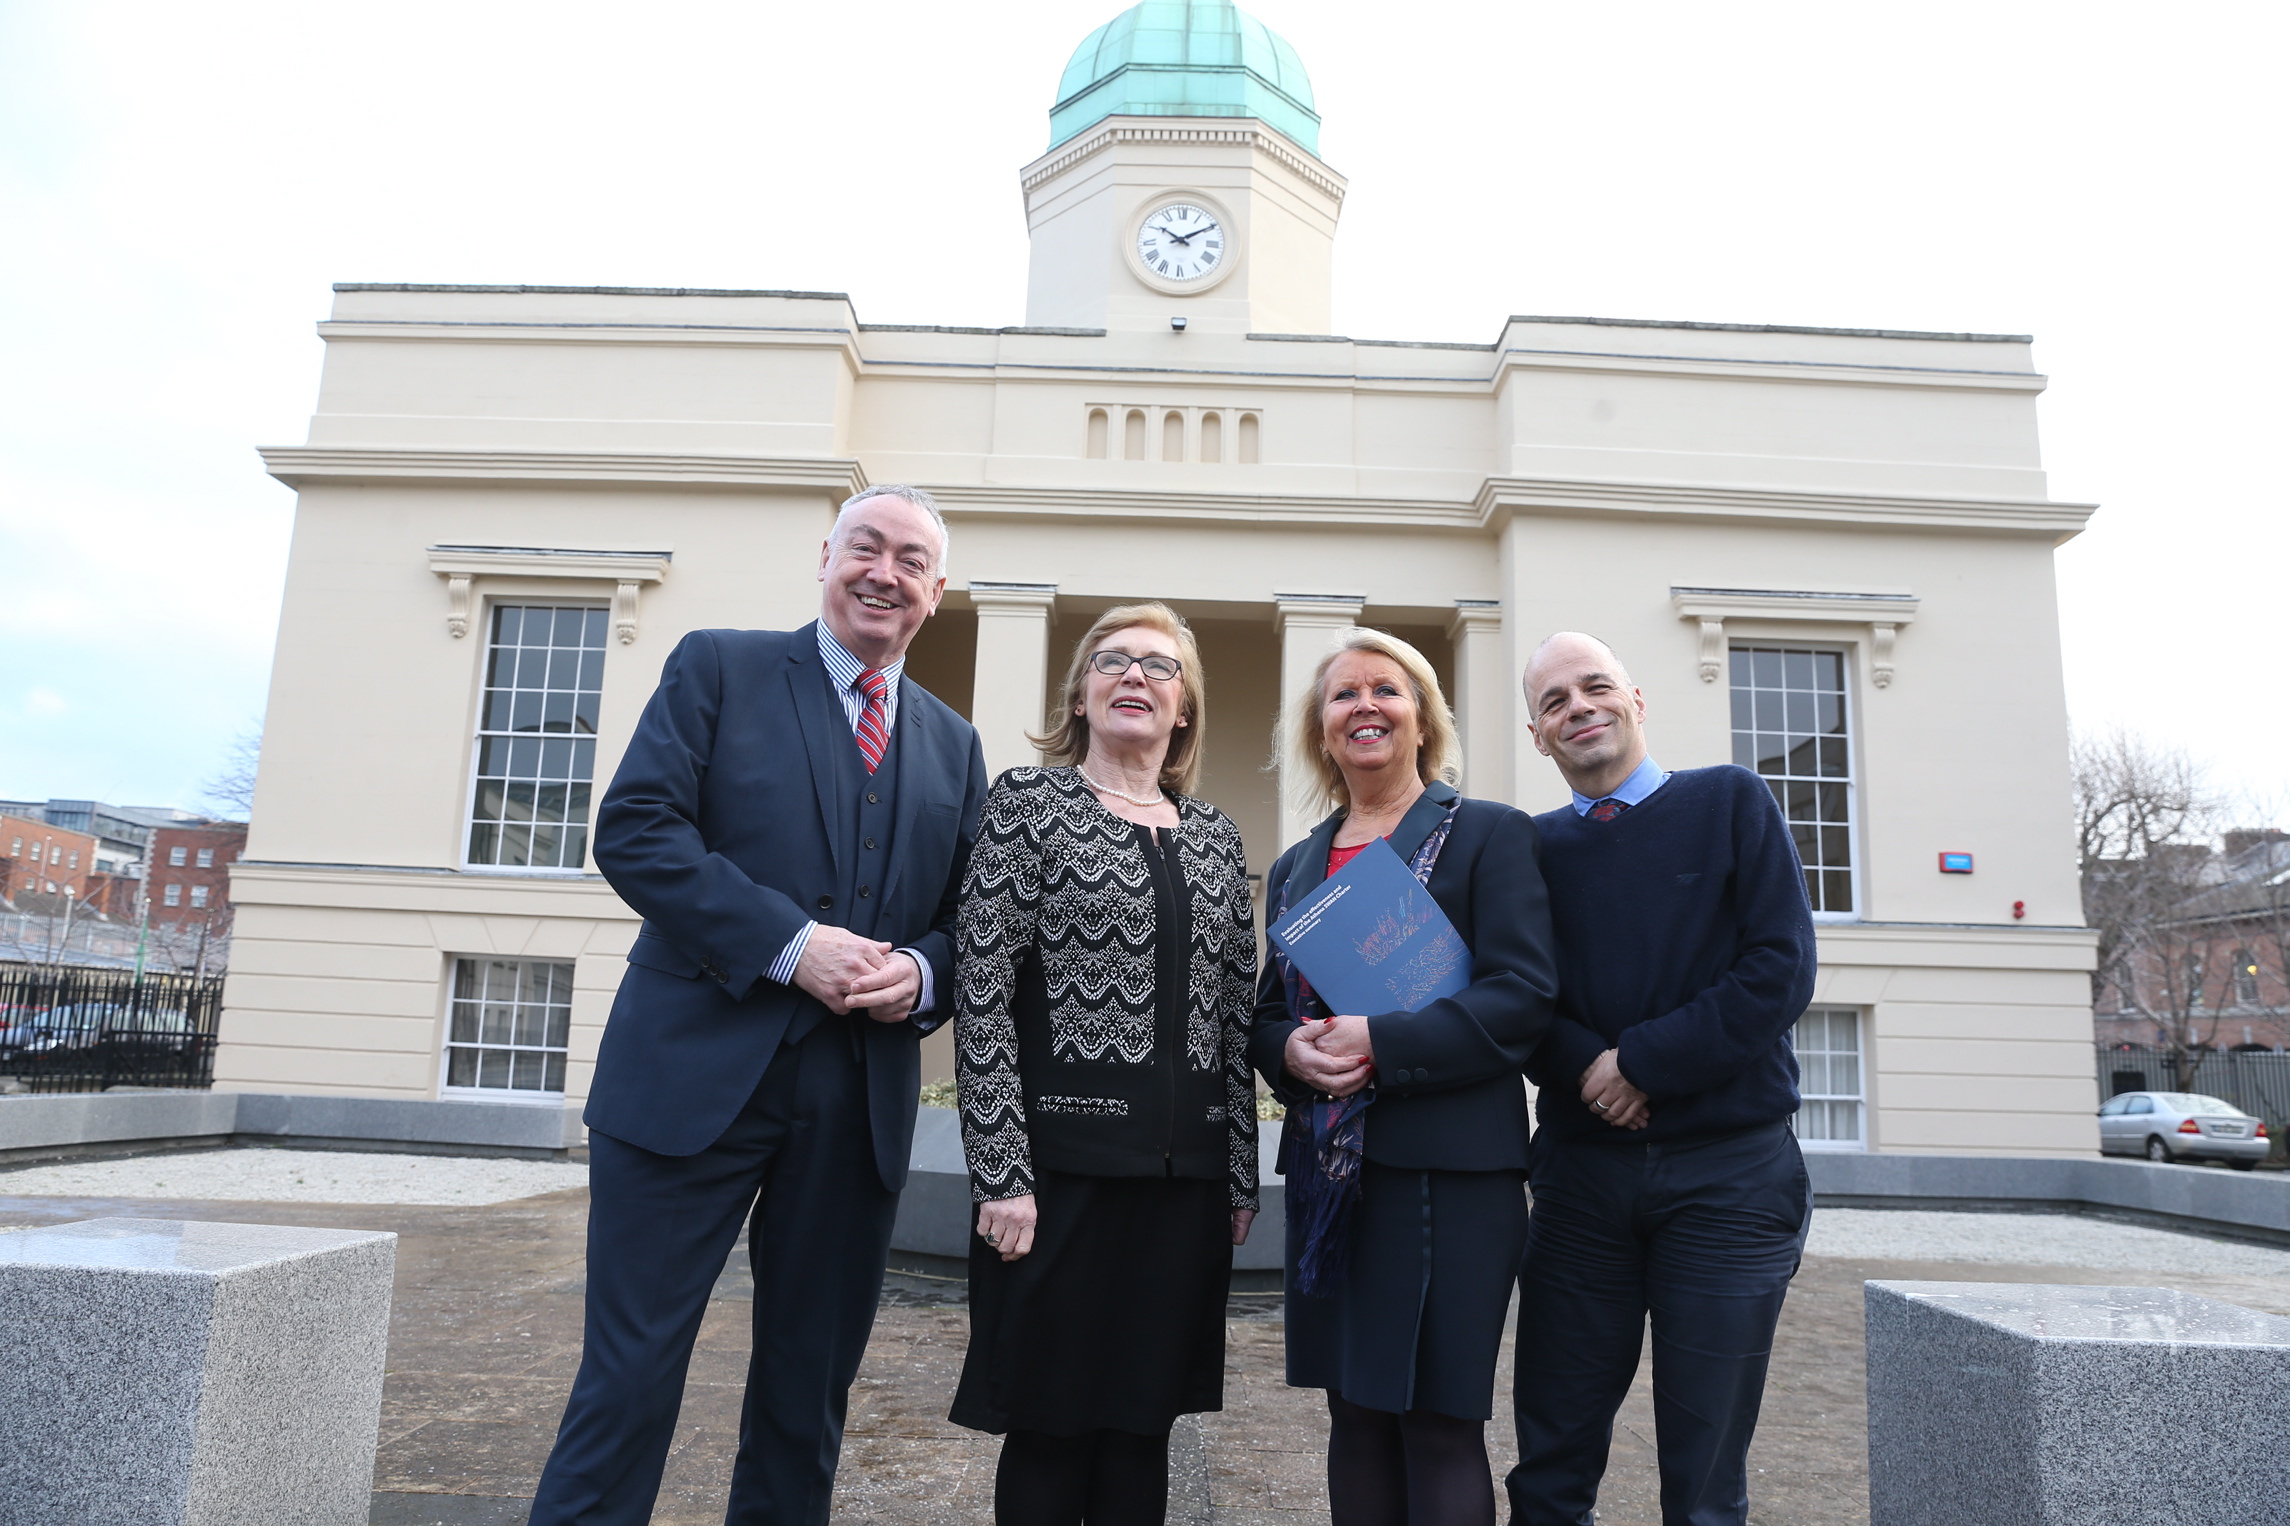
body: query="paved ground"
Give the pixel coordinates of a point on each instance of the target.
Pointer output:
(485, 1336)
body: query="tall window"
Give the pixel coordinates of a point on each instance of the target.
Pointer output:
(536, 737)
(1828, 1041)
(174, 895)
(509, 1024)
(2246, 977)
(1789, 724)
(199, 895)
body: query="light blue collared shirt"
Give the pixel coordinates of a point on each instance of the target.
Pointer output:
(845, 669)
(1646, 778)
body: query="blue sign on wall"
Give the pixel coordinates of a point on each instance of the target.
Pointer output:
(1955, 863)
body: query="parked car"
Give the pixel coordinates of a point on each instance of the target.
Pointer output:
(2175, 1126)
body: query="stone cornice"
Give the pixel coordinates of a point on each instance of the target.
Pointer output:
(1497, 500)
(966, 500)
(1883, 613)
(1826, 373)
(576, 331)
(394, 887)
(1503, 497)
(296, 465)
(1957, 945)
(1247, 130)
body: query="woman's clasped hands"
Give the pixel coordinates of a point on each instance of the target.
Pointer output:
(1333, 1055)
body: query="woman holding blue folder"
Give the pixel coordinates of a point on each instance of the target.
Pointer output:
(1405, 1148)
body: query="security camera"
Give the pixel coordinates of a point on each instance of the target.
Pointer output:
(1178, 324)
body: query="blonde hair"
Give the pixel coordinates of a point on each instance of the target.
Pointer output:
(1439, 758)
(1065, 741)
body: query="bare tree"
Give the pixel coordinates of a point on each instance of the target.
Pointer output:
(231, 789)
(2146, 818)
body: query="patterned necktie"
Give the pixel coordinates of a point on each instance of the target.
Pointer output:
(1608, 809)
(873, 735)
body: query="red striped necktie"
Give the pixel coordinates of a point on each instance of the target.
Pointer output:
(873, 735)
(1608, 809)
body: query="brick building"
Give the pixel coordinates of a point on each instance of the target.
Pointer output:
(190, 870)
(2217, 977)
(43, 861)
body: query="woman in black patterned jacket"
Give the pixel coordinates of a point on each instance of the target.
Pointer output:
(1105, 977)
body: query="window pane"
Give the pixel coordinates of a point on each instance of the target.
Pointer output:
(509, 1024)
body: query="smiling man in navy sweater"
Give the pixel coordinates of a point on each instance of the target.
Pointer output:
(1666, 1178)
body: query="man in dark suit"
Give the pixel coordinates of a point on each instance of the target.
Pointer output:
(1666, 1179)
(792, 819)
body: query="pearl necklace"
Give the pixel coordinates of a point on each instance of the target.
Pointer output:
(1107, 789)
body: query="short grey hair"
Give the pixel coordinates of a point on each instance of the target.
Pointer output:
(913, 495)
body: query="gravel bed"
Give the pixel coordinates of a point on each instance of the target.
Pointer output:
(2032, 1239)
(298, 1176)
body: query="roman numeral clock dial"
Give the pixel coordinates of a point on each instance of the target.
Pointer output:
(1181, 242)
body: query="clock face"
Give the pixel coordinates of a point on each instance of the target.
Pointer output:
(1181, 242)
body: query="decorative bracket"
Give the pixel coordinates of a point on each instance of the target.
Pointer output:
(1880, 653)
(1883, 613)
(626, 571)
(457, 605)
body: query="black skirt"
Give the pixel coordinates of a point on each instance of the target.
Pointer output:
(1417, 1322)
(1115, 1320)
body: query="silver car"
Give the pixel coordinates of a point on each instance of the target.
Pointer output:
(2175, 1126)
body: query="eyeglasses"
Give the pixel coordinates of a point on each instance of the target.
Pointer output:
(1114, 664)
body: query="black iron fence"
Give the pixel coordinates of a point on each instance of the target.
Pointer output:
(70, 1028)
(2256, 1081)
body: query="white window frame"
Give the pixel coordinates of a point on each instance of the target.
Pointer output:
(206, 858)
(174, 895)
(1857, 1099)
(447, 1091)
(1855, 815)
(178, 857)
(198, 898)
(477, 742)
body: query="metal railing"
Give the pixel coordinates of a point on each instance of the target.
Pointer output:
(2257, 1082)
(67, 1028)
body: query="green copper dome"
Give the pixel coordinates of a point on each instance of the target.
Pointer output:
(1185, 58)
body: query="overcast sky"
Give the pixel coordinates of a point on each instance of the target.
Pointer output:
(179, 185)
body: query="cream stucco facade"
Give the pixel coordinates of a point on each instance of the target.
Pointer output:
(674, 458)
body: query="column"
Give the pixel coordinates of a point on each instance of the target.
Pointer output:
(1013, 668)
(1309, 624)
(1483, 697)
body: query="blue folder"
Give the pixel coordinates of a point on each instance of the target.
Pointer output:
(1371, 939)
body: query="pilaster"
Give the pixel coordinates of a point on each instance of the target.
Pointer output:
(1309, 625)
(1013, 669)
(1482, 696)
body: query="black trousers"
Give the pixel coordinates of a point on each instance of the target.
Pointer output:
(1701, 1235)
(798, 1163)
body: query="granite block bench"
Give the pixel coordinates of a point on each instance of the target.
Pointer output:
(2041, 1405)
(158, 1373)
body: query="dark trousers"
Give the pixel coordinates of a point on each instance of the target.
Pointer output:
(799, 1165)
(1701, 1235)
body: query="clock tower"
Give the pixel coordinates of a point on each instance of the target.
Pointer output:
(1183, 180)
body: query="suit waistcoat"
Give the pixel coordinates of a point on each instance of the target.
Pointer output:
(864, 812)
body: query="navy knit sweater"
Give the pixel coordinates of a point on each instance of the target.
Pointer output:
(1685, 942)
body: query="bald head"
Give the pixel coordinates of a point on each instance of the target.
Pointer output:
(1588, 717)
(1568, 647)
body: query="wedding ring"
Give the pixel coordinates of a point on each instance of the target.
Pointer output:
(1598, 1107)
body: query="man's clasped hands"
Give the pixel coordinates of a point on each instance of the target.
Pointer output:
(849, 973)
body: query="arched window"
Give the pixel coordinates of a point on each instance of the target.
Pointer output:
(1133, 436)
(1248, 441)
(1212, 437)
(2246, 977)
(1172, 436)
(1097, 433)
